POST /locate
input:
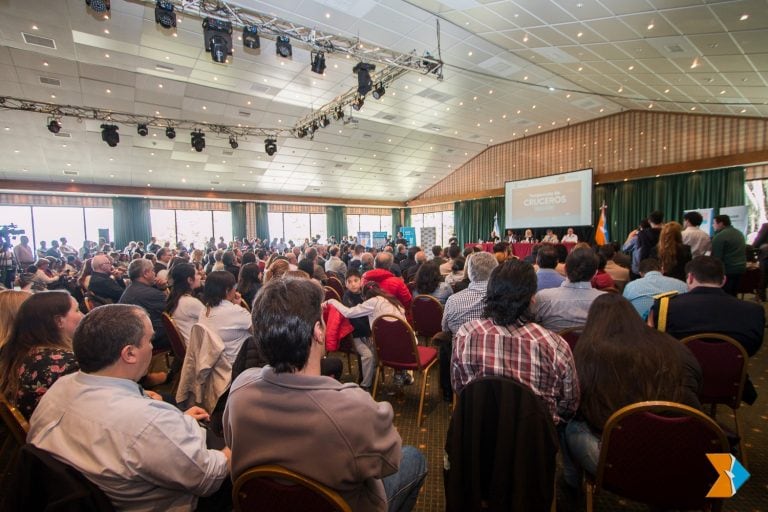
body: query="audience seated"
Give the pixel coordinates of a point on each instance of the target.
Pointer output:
(182, 305)
(144, 454)
(457, 273)
(141, 292)
(387, 281)
(43, 274)
(429, 281)
(504, 343)
(671, 252)
(249, 282)
(223, 313)
(546, 275)
(106, 282)
(335, 264)
(331, 432)
(454, 251)
(618, 273)
(621, 361)
(640, 292)
(39, 348)
(361, 336)
(602, 279)
(567, 306)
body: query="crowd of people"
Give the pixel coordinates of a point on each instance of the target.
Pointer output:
(80, 334)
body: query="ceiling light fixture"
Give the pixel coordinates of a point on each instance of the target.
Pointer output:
(338, 113)
(164, 14)
(251, 37)
(233, 142)
(98, 5)
(109, 135)
(142, 129)
(318, 62)
(198, 140)
(324, 121)
(364, 82)
(270, 146)
(218, 39)
(379, 92)
(358, 103)
(54, 125)
(170, 132)
(283, 46)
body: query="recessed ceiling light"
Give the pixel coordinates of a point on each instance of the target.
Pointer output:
(650, 26)
(525, 77)
(744, 17)
(183, 180)
(16, 151)
(149, 170)
(45, 63)
(7, 128)
(743, 111)
(666, 91)
(106, 31)
(111, 175)
(469, 54)
(34, 27)
(69, 165)
(109, 91)
(205, 108)
(53, 96)
(525, 38)
(106, 55)
(693, 108)
(631, 68)
(327, 15)
(580, 34)
(160, 86)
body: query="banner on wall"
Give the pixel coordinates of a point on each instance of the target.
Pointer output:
(364, 238)
(379, 239)
(428, 239)
(738, 215)
(706, 215)
(409, 233)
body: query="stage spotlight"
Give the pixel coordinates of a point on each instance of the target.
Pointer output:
(170, 132)
(164, 14)
(142, 129)
(301, 132)
(198, 140)
(109, 134)
(358, 103)
(378, 92)
(54, 125)
(313, 127)
(251, 37)
(98, 5)
(324, 121)
(233, 142)
(283, 46)
(218, 39)
(318, 63)
(270, 146)
(364, 82)
(338, 113)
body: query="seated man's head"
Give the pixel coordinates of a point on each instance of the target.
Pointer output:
(705, 271)
(649, 265)
(581, 265)
(287, 320)
(114, 340)
(384, 260)
(547, 256)
(479, 266)
(367, 259)
(510, 289)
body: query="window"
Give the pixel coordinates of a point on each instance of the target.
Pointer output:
(417, 221)
(296, 227)
(441, 221)
(370, 223)
(163, 225)
(222, 225)
(448, 227)
(51, 223)
(353, 225)
(194, 226)
(275, 221)
(386, 225)
(22, 217)
(98, 219)
(190, 226)
(318, 223)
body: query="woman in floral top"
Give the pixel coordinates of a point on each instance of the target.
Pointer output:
(39, 350)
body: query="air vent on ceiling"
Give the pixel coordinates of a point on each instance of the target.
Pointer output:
(339, 165)
(450, 150)
(366, 135)
(215, 182)
(389, 117)
(243, 113)
(433, 126)
(474, 136)
(71, 173)
(435, 96)
(66, 135)
(39, 41)
(227, 152)
(674, 48)
(163, 67)
(260, 88)
(50, 81)
(587, 103)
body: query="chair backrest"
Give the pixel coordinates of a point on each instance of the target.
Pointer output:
(723, 364)
(498, 428)
(427, 313)
(245, 305)
(395, 343)
(278, 488)
(335, 283)
(330, 293)
(13, 435)
(571, 335)
(174, 336)
(655, 453)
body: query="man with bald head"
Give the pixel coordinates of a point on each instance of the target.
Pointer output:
(409, 273)
(387, 281)
(107, 285)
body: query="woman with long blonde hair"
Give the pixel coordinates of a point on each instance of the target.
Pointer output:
(671, 251)
(10, 302)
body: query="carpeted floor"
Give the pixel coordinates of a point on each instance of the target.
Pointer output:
(430, 438)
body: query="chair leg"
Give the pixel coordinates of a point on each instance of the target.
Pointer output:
(376, 375)
(742, 441)
(424, 376)
(589, 491)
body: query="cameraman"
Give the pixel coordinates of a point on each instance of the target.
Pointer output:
(7, 265)
(25, 256)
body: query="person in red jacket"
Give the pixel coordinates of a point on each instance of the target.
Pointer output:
(388, 282)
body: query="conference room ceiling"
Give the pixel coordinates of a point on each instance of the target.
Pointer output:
(501, 59)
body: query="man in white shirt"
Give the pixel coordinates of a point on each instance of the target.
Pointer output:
(143, 453)
(570, 237)
(695, 237)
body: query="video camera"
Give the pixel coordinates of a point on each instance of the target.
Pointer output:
(8, 232)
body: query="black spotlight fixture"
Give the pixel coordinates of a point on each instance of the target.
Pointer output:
(54, 125)
(338, 113)
(142, 129)
(318, 62)
(270, 146)
(301, 132)
(164, 14)
(98, 5)
(233, 142)
(218, 39)
(198, 140)
(313, 127)
(170, 132)
(109, 134)
(324, 121)
(283, 46)
(378, 92)
(358, 103)
(251, 37)
(364, 82)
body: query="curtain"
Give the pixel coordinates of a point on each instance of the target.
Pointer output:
(629, 202)
(238, 220)
(336, 221)
(396, 222)
(132, 221)
(262, 221)
(473, 220)
(407, 222)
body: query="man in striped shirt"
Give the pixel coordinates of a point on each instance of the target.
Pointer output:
(503, 344)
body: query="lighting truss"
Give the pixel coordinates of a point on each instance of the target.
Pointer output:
(125, 118)
(308, 38)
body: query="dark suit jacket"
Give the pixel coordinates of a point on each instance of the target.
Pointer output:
(102, 285)
(153, 301)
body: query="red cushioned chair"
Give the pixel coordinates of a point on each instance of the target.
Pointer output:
(571, 335)
(723, 364)
(335, 283)
(178, 347)
(330, 293)
(751, 282)
(396, 348)
(427, 313)
(656, 453)
(277, 488)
